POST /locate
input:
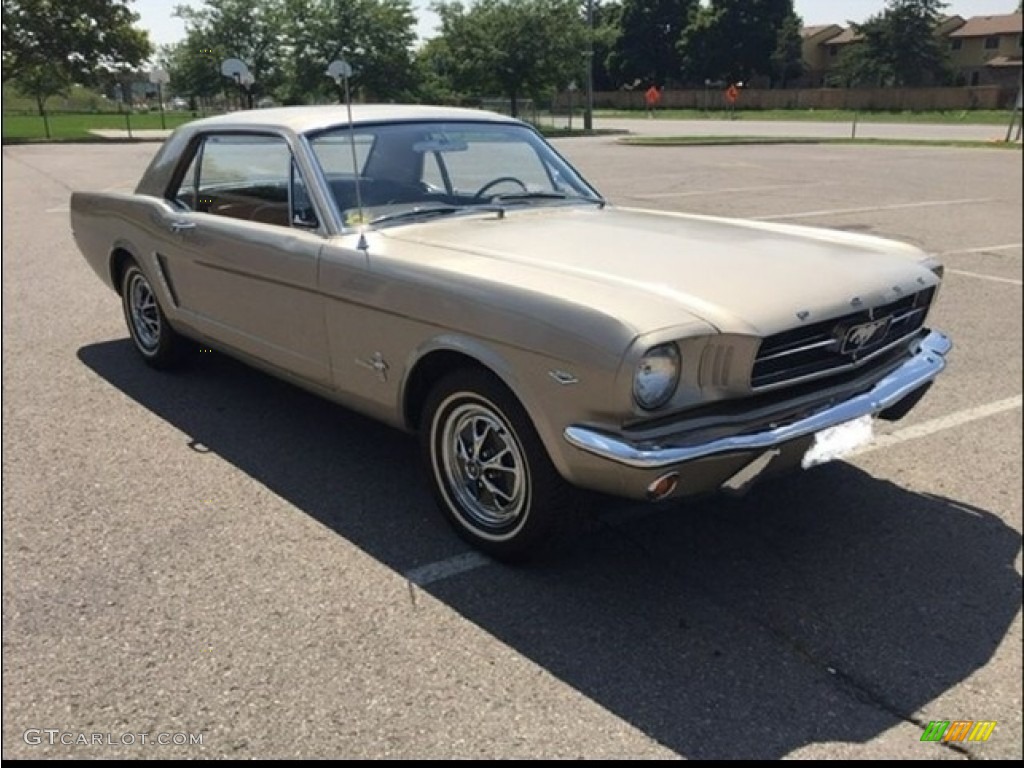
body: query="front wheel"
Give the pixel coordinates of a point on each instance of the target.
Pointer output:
(490, 473)
(158, 343)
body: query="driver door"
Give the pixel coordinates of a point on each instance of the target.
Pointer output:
(243, 250)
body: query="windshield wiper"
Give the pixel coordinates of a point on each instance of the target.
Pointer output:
(438, 210)
(514, 197)
(531, 196)
(434, 210)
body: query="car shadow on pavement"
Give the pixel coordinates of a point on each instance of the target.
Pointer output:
(826, 607)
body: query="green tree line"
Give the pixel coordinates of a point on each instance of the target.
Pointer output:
(509, 48)
(49, 45)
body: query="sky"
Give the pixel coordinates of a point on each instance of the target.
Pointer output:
(164, 28)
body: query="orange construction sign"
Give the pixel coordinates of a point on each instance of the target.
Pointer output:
(732, 93)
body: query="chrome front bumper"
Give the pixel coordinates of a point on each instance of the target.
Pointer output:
(927, 362)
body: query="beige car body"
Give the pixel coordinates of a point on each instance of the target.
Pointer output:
(559, 302)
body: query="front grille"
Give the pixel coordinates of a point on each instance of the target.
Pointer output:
(838, 344)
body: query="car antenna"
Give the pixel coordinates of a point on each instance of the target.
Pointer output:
(341, 71)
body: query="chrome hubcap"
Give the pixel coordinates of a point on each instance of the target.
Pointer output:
(144, 312)
(484, 467)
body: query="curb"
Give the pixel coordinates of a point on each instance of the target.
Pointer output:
(16, 140)
(728, 141)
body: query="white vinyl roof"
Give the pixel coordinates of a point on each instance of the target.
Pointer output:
(306, 119)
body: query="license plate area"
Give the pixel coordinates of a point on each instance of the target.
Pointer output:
(839, 441)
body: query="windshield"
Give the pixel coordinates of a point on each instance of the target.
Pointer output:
(415, 171)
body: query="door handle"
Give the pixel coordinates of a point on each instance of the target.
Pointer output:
(177, 227)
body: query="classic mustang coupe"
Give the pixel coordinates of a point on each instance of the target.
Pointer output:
(447, 272)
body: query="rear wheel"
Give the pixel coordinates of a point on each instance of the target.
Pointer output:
(158, 343)
(490, 472)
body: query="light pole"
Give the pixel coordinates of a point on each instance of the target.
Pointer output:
(588, 114)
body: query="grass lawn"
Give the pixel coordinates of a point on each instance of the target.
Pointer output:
(963, 117)
(71, 127)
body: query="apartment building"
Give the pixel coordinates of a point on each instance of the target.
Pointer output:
(984, 50)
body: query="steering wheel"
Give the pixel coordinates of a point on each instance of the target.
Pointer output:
(500, 180)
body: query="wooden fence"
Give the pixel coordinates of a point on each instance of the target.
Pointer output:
(882, 99)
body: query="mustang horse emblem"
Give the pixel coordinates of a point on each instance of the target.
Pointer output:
(860, 337)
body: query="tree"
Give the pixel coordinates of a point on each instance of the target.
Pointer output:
(737, 40)
(49, 44)
(702, 48)
(250, 30)
(288, 44)
(514, 47)
(193, 67)
(898, 47)
(646, 48)
(787, 60)
(434, 64)
(42, 82)
(607, 29)
(375, 36)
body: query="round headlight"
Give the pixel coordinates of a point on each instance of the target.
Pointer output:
(656, 377)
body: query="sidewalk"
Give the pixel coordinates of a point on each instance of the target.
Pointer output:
(141, 135)
(801, 129)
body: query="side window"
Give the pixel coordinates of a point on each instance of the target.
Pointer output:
(247, 177)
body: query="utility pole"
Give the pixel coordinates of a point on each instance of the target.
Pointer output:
(588, 114)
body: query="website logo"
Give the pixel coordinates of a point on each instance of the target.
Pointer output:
(958, 730)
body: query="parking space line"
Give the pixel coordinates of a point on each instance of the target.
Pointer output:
(942, 423)
(985, 249)
(445, 569)
(728, 190)
(874, 208)
(456, 565)
(993, 278)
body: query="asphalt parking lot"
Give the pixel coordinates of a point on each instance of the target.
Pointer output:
(215, 552)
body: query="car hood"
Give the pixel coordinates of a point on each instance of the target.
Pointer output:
(739, 276)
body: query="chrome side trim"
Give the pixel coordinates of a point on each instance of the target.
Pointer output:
(928, 362)
(563, 377)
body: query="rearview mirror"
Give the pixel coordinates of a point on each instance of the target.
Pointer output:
(440, 145)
